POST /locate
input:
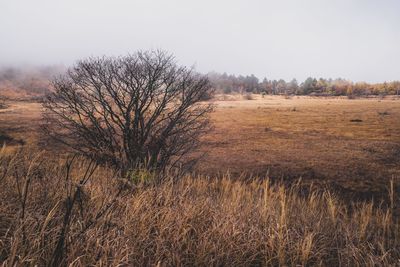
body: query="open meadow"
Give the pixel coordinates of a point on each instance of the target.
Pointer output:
(349, 145)
(56, 211)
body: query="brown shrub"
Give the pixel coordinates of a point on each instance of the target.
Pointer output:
(248, 96)
(3, 104)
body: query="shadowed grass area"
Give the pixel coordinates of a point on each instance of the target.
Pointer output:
(72, 212)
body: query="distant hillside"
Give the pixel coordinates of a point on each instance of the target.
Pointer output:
(27, 82)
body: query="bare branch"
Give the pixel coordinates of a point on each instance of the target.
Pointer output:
(142, 109)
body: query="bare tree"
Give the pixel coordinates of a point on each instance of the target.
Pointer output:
(142, 109)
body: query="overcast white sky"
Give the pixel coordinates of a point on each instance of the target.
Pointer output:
(353, 39)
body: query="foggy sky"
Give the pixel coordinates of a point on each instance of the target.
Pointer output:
(352, 39)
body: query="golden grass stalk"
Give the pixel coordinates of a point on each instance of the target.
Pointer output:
(194, 221)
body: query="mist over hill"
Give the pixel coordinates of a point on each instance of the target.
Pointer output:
(27, 82)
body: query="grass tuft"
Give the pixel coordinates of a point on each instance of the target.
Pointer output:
(72, 212)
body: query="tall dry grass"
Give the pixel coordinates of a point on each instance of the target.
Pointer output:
(71, 212)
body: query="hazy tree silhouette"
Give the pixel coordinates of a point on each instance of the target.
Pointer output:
(141, 109)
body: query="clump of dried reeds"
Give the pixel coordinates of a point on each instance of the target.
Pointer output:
(71, 212)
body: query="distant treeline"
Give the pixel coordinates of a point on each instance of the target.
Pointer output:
(224, 83)
(34, 82)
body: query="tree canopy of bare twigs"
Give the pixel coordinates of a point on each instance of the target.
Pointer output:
(136, 110)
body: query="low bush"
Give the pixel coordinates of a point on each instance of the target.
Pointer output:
(248, 96)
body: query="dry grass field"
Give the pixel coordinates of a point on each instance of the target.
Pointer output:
(19, 124)
(57, 212)
(352, 145)
(68, 213)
